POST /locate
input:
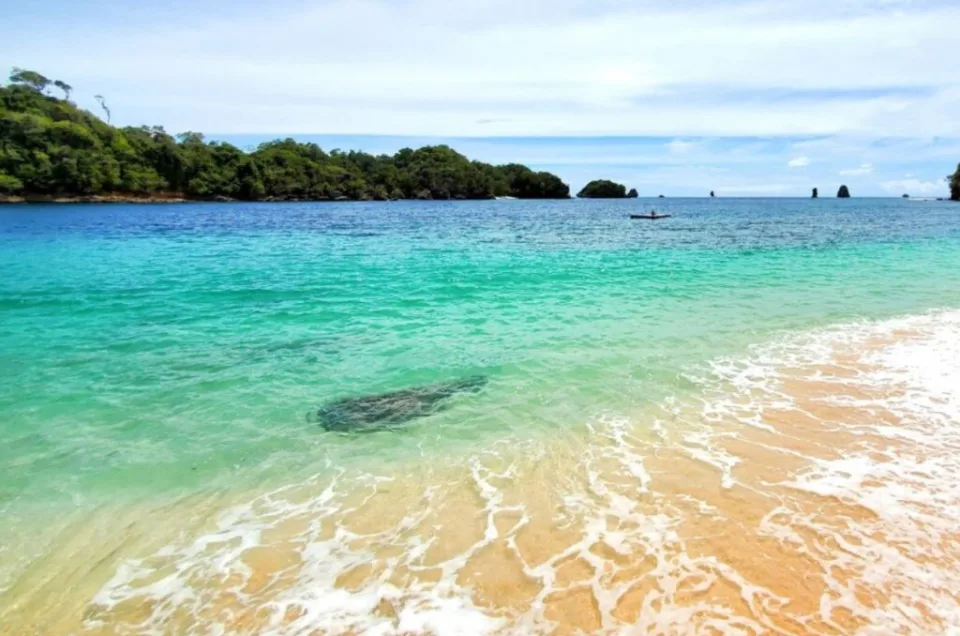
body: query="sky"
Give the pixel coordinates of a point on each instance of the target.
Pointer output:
(678, 97)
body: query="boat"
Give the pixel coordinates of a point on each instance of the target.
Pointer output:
(653, 216)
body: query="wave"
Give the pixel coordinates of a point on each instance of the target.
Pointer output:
(806, 487)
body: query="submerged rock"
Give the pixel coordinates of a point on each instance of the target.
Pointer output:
(372, 412)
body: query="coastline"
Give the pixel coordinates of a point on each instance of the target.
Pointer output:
(173, 197)
(97, 198)
(788, 455)
(176, 197)
(705, 474)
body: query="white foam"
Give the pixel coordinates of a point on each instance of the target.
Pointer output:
(911, 486)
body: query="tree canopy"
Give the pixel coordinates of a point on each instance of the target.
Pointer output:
(603, 189)
(34, 80)
(48, 146)
(954, 181)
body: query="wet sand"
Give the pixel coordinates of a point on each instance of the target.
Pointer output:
(809, 487)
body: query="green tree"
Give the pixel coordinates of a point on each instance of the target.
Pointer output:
(34, 80)
(48, 146)
(66, 88)
(103, 106)
(603, 189)
(10, 185)
(954, 181)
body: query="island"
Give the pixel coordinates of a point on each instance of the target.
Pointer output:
(954, 181)
(816, 194)
(844, 192)
(51, 150)
(603, 189)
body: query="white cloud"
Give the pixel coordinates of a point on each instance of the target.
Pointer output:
(913, 186)
(728, 92)
(493, 67)
(679, 147)
(864, 169)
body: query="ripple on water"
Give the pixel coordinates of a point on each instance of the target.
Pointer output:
(808, 487)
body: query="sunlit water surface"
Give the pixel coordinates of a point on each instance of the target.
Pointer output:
(742, 419)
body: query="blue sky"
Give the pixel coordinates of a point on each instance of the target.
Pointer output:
(745, 97)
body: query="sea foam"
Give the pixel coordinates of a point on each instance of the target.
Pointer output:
(809, 486)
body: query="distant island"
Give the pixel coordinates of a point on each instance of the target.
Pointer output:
(604, 189)
(843, 193)
(52, 150)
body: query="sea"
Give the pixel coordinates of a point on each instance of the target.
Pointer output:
(742, 419)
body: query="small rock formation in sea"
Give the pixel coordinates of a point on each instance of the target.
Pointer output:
(906, 196)
(633, 194)
(373, 412)
(712, 194)
(603, 189)
(661, 197)
(844, 192)
(815, 195)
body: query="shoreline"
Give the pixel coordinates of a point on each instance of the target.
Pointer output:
(179, 198)
(97, 198)
(171, 197)
(656, 523)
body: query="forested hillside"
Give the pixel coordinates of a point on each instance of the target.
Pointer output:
(49, 147)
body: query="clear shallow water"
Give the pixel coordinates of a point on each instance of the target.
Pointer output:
(161, 352)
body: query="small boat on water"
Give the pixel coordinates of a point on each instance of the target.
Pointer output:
(652, 216)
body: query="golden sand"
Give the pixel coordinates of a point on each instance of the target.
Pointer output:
(685, 519)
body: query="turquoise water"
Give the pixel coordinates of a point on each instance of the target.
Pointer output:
(158, 350)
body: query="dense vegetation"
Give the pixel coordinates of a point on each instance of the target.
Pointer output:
(954, 180)
(843, 193)
(49, 147)
(603, 189)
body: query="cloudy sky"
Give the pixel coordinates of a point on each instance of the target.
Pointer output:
(745, 97)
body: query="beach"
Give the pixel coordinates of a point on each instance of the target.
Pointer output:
(742, 419)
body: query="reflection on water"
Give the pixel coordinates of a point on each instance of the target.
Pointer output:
(808, 487)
